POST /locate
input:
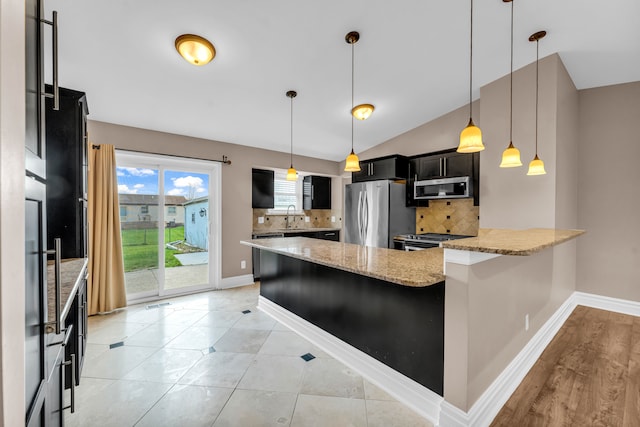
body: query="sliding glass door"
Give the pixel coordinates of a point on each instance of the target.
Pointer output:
(169, 218)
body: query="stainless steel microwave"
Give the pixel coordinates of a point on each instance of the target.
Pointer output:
(442, 188)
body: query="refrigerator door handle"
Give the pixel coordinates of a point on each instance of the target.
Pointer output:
(359, 216)
(365, 218)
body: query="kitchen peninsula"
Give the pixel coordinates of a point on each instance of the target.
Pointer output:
(391, 306)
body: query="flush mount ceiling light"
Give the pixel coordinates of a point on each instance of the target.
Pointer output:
(536, 167)
(292, 174)
(353, 163)
(361, 111)
(511, 156)
(195, 49)
(471, 136)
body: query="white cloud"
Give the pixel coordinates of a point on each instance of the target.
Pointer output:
(119, 172)
(175, 192)
(200, 190)
(138, 186)
(124, 189)
(139, 171)
(188, 181)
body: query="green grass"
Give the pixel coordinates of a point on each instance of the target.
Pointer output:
(140, 248)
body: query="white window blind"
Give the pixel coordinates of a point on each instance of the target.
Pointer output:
(286, 193)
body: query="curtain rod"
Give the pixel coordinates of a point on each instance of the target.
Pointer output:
(225, 160)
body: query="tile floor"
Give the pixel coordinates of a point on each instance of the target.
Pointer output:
(201, 361)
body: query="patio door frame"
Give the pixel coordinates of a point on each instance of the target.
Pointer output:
(162, 163)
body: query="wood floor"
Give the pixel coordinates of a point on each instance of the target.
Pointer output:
(589, 375)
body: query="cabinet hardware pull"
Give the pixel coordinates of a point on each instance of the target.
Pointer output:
(54, 30)
(57, 251)
(72, 406)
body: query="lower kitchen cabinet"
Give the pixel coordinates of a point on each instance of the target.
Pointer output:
(57, 379)
(77, 319)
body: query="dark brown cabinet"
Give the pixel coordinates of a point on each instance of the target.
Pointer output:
(67, 172)
(389, 167)
(262, 196)
(316, 192)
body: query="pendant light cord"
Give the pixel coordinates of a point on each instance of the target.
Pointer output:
(471, 62)
(352, 89)
(511, 82)
(537, 60)
(292, 131)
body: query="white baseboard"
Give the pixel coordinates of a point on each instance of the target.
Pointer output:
(419, 398)
(236, 281)
(607, 303)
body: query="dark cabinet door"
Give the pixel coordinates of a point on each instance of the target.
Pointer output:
(66, 172)
(262, 189)
(35, 153)
(390, 167)
(458, 164)
(35, 300)
(362, 174)
(55, 416)
(316, 192)
(430, 167)
(328, 235)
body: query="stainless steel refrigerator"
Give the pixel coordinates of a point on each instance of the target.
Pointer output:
(375, 211)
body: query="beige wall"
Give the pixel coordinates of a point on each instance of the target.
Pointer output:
(608, 193)
(12, 125)
(237, 215)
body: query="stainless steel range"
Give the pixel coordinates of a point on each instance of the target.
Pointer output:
(417, 242)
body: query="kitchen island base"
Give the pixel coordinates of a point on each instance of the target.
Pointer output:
(400, 326)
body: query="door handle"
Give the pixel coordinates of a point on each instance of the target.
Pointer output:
(57, 251)
(54, 31)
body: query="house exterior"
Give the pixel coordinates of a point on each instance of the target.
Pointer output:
(196, 226)
(143, 208)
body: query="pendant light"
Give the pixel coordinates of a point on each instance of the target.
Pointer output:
(195, 49)
(352, 163)
(292, 174)
(536, 167)
(471, 136)
(511, 156)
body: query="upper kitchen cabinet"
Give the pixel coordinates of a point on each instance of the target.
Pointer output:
(262, 189)
(389, 167)
(67, 172)
(447, 163)
(316, 192)
(35, 154)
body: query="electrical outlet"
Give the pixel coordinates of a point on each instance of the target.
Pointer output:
(333, 218)
(526, 322)
(260, 220)
(243, 264)
(307, 219)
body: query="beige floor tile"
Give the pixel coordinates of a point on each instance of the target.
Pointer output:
(287, 343)
(197, 338)
(393, 414)
(156, 335)
(165, 366)
(242, 341)
(373, 392)
(183, 317)
(255, 320)
(192, 406)
(257, 409)
(328, 377)
(274, 373)
(218, 370)
(114, 332)
(325, 411)
(219, 319)
(117, 362)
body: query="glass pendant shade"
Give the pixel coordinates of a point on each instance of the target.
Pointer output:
(470, 139)
(353, 163)
(511, 157)
(362, 111)
(536, 167)
(195, 49)
(292, 174)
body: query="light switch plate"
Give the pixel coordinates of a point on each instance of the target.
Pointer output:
(260, 220)
(333, 218)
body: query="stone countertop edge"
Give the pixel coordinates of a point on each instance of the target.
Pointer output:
(291, 230)
(513, 242)
(70, 276)
(411, 269)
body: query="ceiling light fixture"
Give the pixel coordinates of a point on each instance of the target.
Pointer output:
(536, 167)
(292, 174)
(352, 163)
(362, 111)
(195, 49)
(511, 156)
(471, 136)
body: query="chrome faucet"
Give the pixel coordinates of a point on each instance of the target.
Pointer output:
(287, 222)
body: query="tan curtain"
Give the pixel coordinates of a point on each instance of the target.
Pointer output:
(106, 290)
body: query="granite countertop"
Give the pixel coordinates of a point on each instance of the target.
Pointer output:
(513, 242)
(415, 269)
(71, 271)
(290, 230)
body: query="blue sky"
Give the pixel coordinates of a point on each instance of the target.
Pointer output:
(145, 181)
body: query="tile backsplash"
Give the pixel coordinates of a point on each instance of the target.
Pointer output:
(318, 218)
(454, 216)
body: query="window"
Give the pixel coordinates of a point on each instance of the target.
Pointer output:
(123, 211)
(286, 193)
(193, 217)
(171, 210)
(144, 209)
